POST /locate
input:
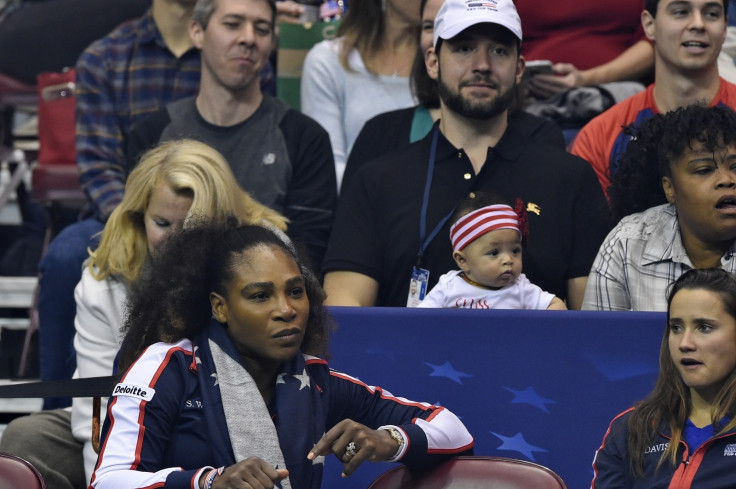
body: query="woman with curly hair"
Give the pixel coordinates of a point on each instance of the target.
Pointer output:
(220, 351)
(636, 183)
(684, 433)
(686, 161)
(175, 185)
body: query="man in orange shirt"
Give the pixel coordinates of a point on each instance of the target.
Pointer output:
(687, 37)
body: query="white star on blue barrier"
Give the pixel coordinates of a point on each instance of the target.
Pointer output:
(517, 443)
(447, 370)
(530, 396)
(618, 367)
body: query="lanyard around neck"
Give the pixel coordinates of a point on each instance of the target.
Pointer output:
(425, 240)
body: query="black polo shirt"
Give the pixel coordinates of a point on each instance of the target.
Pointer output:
(376, 230)
(391, 131)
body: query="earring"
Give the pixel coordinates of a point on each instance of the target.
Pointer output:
(383, 5)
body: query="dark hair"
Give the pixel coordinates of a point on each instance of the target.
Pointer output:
(204, 9)
(651, 6)
(423, 87)
(712, 279)
(669, 402)
(170, 301)
(474, 201)
(636, 177)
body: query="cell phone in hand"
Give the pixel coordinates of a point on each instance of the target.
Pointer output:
(538, 66)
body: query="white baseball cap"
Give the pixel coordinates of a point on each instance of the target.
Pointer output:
(457, 15)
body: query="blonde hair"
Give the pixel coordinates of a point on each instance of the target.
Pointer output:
(185, 166)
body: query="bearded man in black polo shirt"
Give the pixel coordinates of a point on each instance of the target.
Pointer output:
(392, 221)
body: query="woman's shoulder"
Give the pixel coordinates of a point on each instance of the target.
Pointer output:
(617, 432)
(327, 54)
(643, 225)
(90, 287)
(315, 363)
(184, 346)
(622, 417)
(159, 356)
(320, 370)
(323, 65)
(326, 50)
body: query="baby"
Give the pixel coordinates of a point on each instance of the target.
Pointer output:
(486, 243)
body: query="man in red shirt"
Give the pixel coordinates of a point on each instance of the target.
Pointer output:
(687, 36)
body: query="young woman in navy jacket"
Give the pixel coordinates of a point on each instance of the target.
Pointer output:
(683, 435)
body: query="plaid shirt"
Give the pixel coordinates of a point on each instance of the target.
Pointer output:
(122, 78)
(639, 260)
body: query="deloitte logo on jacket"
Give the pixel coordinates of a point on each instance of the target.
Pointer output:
(139, 392)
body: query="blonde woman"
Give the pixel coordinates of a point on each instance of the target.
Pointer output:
(174, 185)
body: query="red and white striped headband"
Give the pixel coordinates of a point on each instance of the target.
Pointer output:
(481, 221)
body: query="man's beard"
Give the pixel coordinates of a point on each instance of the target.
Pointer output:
(478, 109)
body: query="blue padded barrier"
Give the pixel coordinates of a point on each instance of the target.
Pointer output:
(534, 385)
